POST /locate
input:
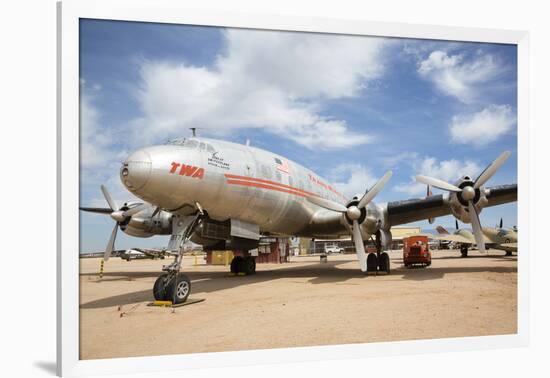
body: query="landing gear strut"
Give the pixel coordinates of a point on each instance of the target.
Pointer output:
(175, 286)
(378, 261)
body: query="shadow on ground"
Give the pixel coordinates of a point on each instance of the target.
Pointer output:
(329, 272)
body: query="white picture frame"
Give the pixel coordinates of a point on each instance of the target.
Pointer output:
(69, 13)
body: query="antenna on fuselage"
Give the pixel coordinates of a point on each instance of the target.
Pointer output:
(194, 130)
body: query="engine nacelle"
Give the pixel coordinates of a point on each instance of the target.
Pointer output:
(144, 225)
(386, 239)
(459, 206)
(371, 218)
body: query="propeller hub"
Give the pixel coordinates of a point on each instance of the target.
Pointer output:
(353, 213)
(468, 193)
(118, 216)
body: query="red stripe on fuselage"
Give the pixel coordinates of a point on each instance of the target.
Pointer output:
(265, 186)
(304, 193)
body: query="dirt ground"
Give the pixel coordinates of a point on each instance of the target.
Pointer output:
(301, 303)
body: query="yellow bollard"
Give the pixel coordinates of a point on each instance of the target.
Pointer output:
(101, 269)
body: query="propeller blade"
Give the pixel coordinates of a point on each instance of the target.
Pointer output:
(98, 210)
(376, 188)
(359, 247)
(108, 198)
(110, 244)
(440, 184)
(456, 224)
(491, 169)
(476, 225)
(500, 223)
(134, 210)
(327, 204)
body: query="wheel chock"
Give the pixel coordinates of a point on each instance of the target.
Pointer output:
(169, 303)
(161, 303)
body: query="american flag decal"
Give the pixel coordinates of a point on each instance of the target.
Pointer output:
(282, 165)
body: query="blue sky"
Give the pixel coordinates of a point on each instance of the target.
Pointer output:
(348, 107)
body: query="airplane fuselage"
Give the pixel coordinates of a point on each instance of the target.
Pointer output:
(234, 181)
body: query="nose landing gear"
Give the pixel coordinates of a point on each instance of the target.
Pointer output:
(175, 286)
(172, 287)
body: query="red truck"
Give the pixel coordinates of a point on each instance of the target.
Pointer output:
(416, 251)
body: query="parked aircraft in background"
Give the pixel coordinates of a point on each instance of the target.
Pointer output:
(225, 195)
(496, 238)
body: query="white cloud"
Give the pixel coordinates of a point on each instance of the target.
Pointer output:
(447, 170)
(482, 127)
(392, 161)
(456, 76)
(99, 160)
(352, 179)
(94, 139)
(275, 81)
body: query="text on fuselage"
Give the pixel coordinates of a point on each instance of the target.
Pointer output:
(187, 170)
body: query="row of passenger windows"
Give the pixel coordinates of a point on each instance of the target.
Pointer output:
(191, 144)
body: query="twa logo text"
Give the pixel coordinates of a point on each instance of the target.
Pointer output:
(187, 170)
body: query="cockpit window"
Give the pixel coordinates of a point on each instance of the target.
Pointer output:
(210, 149)
(176, 141)
(184, 142)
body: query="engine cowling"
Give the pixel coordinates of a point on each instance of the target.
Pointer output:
(371, 216)
(458, 202)
(146, 223)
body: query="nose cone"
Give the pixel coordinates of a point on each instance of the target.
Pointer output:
(136, 170)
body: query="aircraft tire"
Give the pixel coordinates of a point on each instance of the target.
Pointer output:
(464, 251)
(384, 262)
(246, 265)
(182, 289)
(372, 262)
(159, 290)
(249, 265)
(236, 264)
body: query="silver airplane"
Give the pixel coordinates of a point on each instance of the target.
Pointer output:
(225, 195)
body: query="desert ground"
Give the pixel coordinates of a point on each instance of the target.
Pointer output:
(301, 303)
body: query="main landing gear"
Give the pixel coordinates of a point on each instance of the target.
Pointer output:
(378, 261)
(244, 265)
(463, 250)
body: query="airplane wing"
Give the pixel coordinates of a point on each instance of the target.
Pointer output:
(455, 238)
(412, 210)
(513, 247)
